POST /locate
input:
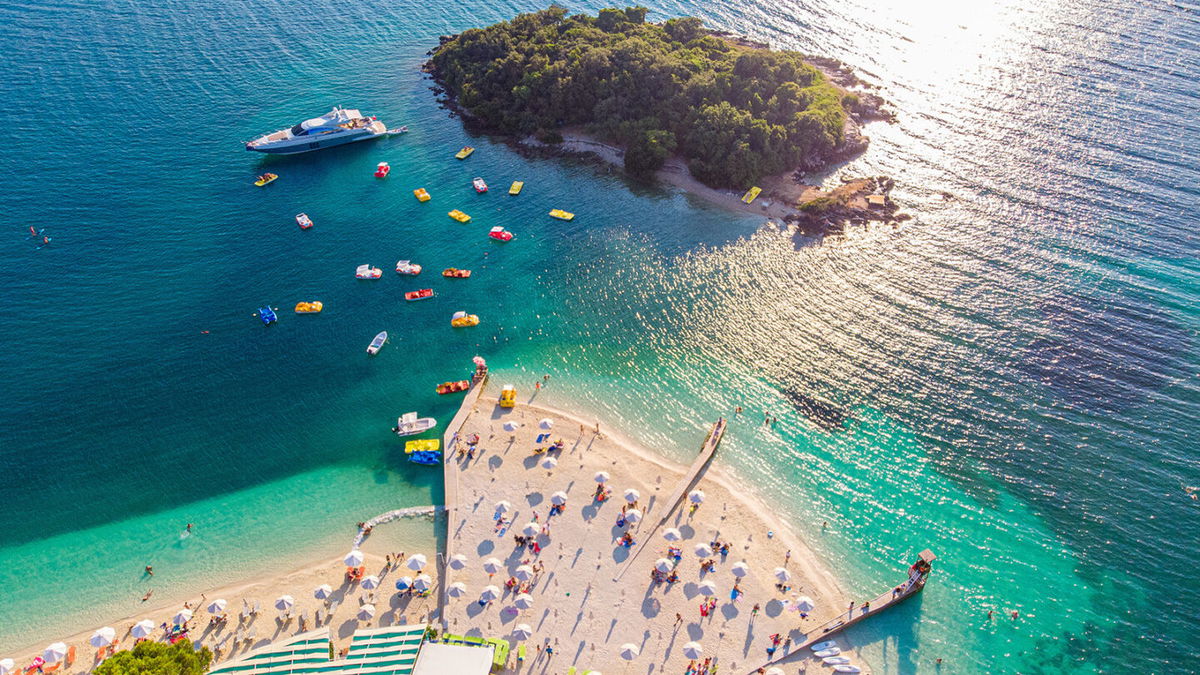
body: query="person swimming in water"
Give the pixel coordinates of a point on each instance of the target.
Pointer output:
(150, 570)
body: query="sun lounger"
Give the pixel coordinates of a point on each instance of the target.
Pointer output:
(257, 607)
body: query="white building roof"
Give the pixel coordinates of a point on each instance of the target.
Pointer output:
(440, 659)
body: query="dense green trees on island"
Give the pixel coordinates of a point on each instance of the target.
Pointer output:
(735, 113)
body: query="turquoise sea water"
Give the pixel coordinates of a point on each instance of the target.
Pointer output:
(1018, 363)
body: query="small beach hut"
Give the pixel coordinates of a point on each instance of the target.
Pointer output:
(782, 575)
(549, 463)
(458, 561)
(353, 558)
(103, 637)
(546, 423)
(6, 666)
(602, 477)
(404, 583)
(55, 652)
(633, 515)
(559, 497)
(531, 529)
(696, 496)
(423, 582)
(285, 602)
(370, 582)
(693, 650)
(456, 589)
(663, 565)
(629, 651)
(417, 562)
(632, 495)
(523, 601)
(703, 550)
(492, 565)
(672, 534)
(708, 587)
(524, 573)
(142, 629)
(740, 569)
(323, 592)
(182, 617)
(522, 631)
(217, 606)
(489, 594)
(366, 612)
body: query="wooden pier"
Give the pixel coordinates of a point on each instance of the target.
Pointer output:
(918, 574)
(707, 450)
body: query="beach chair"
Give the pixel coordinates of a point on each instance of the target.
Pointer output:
(257, 607)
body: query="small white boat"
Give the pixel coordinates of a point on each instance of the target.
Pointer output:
(847, 669)
(480, 186)
(828, 644)
(407, 267)
(367, 272)
(410, 424)
(835, 660)
(832, 651)
(377, 343)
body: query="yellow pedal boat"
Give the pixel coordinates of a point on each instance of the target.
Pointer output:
(421, 195)
(265, 179)
(463, 320)
(425, 444)
(508, 396)
(314, 307)
(751, 194)
(459, 216)
(561, 215)
(515, 188)
(465, 152)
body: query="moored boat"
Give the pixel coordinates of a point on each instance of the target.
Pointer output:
(480, 186)
(751, 194)
(464, 320)
(267, 315)
(367, 272)
(453, 387)
(423, 444)
(516, 187)
(561, 215)
(423, 294)
(464, 153)
(421, 194)
(377, 343)
(337, 127)
(265, 179)
(313, 307)
(427, 457)
(459, 216)
(303, 221)
(500, 234)
(407, 267)
(382, 170)
(409, 424)
(455, 273)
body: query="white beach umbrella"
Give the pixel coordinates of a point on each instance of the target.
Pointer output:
(489, 594)
(531, 529)
(703, 550)
(503, 506)
(366, 612)
(632, 495)
(708, 587)
(693, 650)
(142, 628)
(417, 562)
(323, 592)
(602, 477)
(549, 463)
(522, 631)
(512, 426)
(404, 583)
(285, 602)
(524, 601)
(458, 561)
(782, 575)
(804, 604)
(353, 558)
(559, 497)
(663, 565)
(633, 515)
(696, 496)
(184, 616)
(370, 582)
(217, 606)
(546, 423)
(774, 671)
(423, 582)
(524, 573)
(6, 666)
(103, 637)
(672, 534)
(456, 589)
(492, 565)
(740, 569)
(629, 651)
(55, 652)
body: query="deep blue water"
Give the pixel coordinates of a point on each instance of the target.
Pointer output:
(1019, 361)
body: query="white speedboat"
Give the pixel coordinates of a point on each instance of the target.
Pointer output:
(828, 644)
(410, 424)
(835, 660)
(847, 669)
(407, 267)
(832, 651)
(377, 343)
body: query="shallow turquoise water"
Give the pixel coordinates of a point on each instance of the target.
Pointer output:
(1018, 363)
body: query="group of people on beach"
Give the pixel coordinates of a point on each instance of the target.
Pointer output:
(706, 667)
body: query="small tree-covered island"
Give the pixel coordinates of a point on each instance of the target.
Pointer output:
(733, 112)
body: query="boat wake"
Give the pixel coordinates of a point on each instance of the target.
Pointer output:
(410, 512)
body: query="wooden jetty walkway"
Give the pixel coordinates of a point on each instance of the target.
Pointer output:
(450, 487)
(918, 574)
(707, 450)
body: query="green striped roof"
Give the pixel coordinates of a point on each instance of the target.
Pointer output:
(390, 650)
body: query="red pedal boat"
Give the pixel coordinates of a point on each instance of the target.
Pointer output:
(382, 170)
(455, 273)
(500, 234)
(453, 387)
(419, 295)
